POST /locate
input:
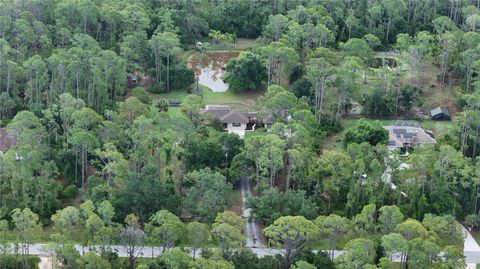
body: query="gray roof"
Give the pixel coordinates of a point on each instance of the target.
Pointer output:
(439, 110)
(400, 136)
(216, 111)
(235, 116)
(227, 115)
(402, 123)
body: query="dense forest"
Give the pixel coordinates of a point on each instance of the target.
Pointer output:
(109, 158)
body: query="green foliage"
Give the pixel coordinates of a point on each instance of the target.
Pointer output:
(208, 195)
(202, 152)
(246, 72)
(145, 194)
(142, 95)
(292, 233)
(366, 131)
(274, 204)
(13, 262)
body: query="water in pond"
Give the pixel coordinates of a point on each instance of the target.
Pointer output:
(209, 68)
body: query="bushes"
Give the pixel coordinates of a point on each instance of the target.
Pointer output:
(15, 261)
(142, 95)
(274, 204)
(366, 131)
(69, 192)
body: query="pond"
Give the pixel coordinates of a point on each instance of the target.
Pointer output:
(209, 68)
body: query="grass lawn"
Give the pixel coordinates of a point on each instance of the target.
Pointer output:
(45, 236)
(246, 100)
(254, 133)
(236, 196)
(173, 95)
(234, 100)
(241, 44)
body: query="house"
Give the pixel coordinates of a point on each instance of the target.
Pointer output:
(6, 140)
(408, 134)
(233, 121)
(440, 113)
(133, 79)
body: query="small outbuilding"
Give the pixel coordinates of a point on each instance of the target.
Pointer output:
(6, 140)
(440, 113)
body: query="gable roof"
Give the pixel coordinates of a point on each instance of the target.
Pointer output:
(6, 140)
(439, 110)
(234, 116)
(216, 111)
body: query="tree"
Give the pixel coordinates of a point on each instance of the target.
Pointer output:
(228, 236)
(93, 225)
(170, 46)
(320, 73)
(273, 204)
(277, 24)
(280, 60)
(422, 253)
(278, 102)
(144, 194)
(293, 233)
(201, 152)
(394, 244)
(335, 227)
(453, 257)
(132, 239)
(445, 227)
(130, 110)
(208, 196)
(198, 235)
(271, 156)
(246, 72)
(357, 254)
(166, 228)
(28, 227)
(191, 106)
(411, 229)
(366, 131)
(66, 220)
(106, 212)
(231, 218)
(93, 261)
(389, 218)
(232, 145)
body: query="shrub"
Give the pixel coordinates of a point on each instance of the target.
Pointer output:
(69, 192)
(142, 95)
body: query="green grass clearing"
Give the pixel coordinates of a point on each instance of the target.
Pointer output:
(247, 100)
(254, 133)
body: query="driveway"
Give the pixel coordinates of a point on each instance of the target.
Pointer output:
(252, 230)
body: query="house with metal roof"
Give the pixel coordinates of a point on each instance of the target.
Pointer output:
(440, 113)
(233, 121)
(406, 134)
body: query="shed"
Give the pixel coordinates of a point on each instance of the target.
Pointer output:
(6, 140)
(440, 113)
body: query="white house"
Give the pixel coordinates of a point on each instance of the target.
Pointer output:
(233, 121)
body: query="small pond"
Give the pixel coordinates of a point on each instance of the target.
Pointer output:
(209, 68)
(378, 62)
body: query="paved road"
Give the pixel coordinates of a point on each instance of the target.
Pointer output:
(252, 230)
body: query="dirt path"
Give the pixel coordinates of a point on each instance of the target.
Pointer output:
(45, 263)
